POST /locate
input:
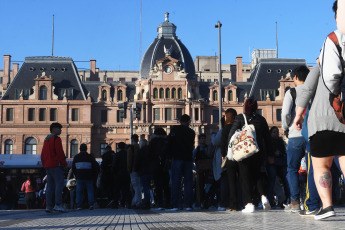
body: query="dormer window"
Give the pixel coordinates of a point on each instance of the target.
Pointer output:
(104, 95)
(42, 69)
(43, 92)
(119, 95)
(24, 92)
(68, 92)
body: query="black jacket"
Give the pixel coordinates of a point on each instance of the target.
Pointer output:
(263, 135)
(119, 164)
(181, 143)
(85, 166)
(225, 137)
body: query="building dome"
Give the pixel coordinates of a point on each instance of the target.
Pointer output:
(166, 40)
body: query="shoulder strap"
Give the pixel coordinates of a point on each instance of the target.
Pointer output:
(293, 95)
(245, 119)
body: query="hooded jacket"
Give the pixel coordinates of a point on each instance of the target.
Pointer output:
(52, 154)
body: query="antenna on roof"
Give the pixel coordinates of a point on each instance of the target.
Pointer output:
(277, 38)
(141, 37)
(53, 38)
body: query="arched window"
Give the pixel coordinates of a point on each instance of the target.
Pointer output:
(161, 93)
(74, 148)
(8, 146)
(179, 92)
(155, 93)
(142, 94)
(215, 95)
(173, 93)
(230, 95)
(119, 95)
(30, 146)
(104, 95)
(43, 92)
(167, 93)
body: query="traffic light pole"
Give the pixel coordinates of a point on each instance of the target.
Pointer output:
(131, 121)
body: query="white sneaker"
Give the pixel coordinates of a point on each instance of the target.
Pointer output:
(189, 209)
(59, 208)
(221, 209)
(249, 208)
(265, 203)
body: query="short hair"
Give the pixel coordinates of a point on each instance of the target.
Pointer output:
(142, 143)
(83, 147)
(201, 135)
(135, 137)
(250, 106)
(301, 72)
(273, 128)
(185, 118)
(335, 7)
(108, 148)
(55, 125)
(122, 145)
(160, 131)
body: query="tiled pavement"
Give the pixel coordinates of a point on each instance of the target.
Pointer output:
(149, 219)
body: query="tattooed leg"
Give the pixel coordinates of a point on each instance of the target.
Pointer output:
(325, 180)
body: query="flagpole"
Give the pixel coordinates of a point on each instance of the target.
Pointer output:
(53, 38)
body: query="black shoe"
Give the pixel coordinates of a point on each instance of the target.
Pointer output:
(325, 213)
(305, 213)
(91, 207)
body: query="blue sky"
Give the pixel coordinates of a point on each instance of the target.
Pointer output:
(109, 30)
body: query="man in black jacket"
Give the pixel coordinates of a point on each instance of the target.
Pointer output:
(85, 168)
(181, 144)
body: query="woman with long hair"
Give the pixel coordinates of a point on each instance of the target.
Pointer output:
(29, 187)
(250, 168)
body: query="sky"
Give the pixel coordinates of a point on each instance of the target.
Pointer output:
(109, 30)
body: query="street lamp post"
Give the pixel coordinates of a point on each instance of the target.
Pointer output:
(219, 25)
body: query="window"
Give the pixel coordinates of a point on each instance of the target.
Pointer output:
(9, 114)
(74, 148)
(230, 95)
(42, 114)
(119, 95)
(279, 114)
(75, 114)
(142, 94)
(53, 114)
(179, 92)
(24, 92)
(156, 113)
(31, 114)
(161, 93)
(168, 114)
(178, 113)
(215, 95)
(215, 114)
(134, 79)
(259, 111)
(30, 146)
(104, 116)
(104, 95)
(103, 146)
(196, 114)
(271, 93)
(8, 146)
(43, 93)
(122, 79)
(65, 92)
(119, 118)
(173, 93)
(155, 93)
(109, 79)
(208, 80)
(167, 93)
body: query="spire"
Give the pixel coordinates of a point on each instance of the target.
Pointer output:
(166, 29)
(166, 16)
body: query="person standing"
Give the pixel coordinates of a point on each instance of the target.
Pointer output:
(296, 143)
(85, 168)
(181, 144)
(54, 162)
(29, 187)
(106, 176)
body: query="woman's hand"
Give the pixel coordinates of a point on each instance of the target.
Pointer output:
(298, 121)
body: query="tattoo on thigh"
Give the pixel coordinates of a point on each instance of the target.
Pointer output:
(325, 180)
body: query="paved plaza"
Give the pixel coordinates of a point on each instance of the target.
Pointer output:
(149, 219)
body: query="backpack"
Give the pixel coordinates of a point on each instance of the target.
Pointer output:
(336, 101)
(243, 143)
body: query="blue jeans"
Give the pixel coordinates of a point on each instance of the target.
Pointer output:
(135, 181)
(181, 169)
(81, 184)
(295, 151)
(55, 185)
(145, 183)
(273, 172)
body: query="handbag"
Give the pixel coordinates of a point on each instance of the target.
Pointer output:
(71, 183)
(244, 143)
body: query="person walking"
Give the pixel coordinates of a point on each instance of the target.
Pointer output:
(250, 168)
(181, 144)
(296, 143)
(85, 169)
(54, 162)
(29, 187)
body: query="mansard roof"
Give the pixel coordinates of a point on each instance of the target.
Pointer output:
(61, 69)
(268, 72)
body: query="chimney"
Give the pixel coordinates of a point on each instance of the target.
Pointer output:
(93, 75)
(239, 66)
(7, 70)
(15, 67)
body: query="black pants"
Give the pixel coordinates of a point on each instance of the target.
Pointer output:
(121, 193)
(30, 199)
(162, 188)
(232, 171)
(251, 177)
